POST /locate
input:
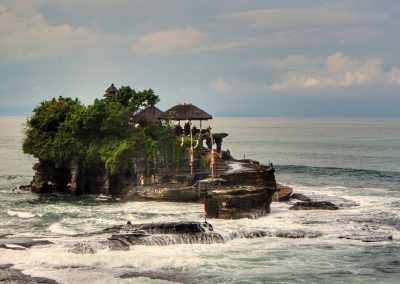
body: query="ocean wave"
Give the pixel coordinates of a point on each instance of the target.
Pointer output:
(59, 229)
(335, 170)
(374, 176)
(20, 214)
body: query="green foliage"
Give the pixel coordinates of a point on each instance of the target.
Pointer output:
(63, 129)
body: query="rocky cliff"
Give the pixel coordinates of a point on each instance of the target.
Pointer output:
(238, 188)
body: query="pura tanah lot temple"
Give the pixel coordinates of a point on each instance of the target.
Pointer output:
(230, 188)
(188, 121)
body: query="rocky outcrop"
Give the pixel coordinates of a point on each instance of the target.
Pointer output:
(300, 197)
(313, 205)
(283, 193)
(8, 274)
(238, 189)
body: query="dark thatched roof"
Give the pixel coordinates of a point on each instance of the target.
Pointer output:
(185, 112)
(111, 91)
(148, 115)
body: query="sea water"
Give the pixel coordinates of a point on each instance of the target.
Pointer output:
(355, 162)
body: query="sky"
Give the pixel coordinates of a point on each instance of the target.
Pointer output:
(228, 57)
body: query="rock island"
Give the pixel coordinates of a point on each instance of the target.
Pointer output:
(124, 146)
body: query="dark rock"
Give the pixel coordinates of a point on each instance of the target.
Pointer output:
(12, 275)
(313, 205)
(5, 235)
(163, 274)
(21, 243)
(283, 193)
(292, 234)
(368, 238)
(300, 197)
(295, 234)
(167, 239)
(338, 201)
(164, 228)
(160, 234)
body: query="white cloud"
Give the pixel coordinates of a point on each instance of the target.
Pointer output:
(291, 62)
(172, 41)
(226, 86)
(394, 76)
(325, 15)
(335, 71)
(221, 85)
(31, 37)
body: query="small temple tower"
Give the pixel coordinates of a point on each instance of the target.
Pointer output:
(110, 92)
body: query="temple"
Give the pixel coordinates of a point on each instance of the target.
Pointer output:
(194, 168)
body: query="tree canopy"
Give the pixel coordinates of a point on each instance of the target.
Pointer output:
(64, 129)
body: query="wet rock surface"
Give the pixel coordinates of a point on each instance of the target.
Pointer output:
(290, 234)
(21, 243)
(300, 196)
(337, 201)
(314, 205)
(12, 275)
(283, 193)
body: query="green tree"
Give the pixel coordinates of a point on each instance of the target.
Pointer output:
(64, 129)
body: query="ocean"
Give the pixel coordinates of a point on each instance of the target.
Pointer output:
(353, 162)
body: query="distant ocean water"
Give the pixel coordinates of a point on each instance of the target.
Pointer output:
(348, 161)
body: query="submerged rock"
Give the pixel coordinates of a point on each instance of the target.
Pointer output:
(338, 201)
(300, 197)
(21, 243)
(313, 205)
(295, 234)
(12, 275)
(368, 238)
(167, 239)
(163, 228)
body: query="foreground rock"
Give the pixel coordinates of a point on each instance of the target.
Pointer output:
(21, 243)
(172, 233)
(12, 275)
(314, 205)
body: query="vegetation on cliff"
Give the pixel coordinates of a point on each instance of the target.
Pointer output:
(64, 129)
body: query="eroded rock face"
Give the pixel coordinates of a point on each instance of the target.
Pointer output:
(283, 193)
(239, 189)
(313, 205)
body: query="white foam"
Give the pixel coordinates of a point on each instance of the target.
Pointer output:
(20, 214)
(57, 228)
(14, 246)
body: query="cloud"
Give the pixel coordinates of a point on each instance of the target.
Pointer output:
(337, 70)
(31, 37)
(305, 73)
(225, 86)
(291, 62)
(326, 15)
(394, 76)
(221, 85)
(23, 7)
(171, 41)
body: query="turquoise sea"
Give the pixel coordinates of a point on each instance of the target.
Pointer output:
(354, 162)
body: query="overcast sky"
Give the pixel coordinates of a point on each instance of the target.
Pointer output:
(233, 57)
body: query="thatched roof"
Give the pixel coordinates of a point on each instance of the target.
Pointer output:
(148, 115)
(185, 112)
(111, 91)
